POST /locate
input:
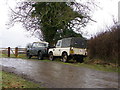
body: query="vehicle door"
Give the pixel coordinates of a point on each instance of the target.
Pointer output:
(34, 49)
(57, 50)
(41, 47)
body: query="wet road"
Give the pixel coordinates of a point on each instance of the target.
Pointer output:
(58, 75)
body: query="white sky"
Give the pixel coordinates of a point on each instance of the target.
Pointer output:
(17, 36)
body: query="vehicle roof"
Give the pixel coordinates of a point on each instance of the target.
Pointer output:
(41, 42)
(72, 38)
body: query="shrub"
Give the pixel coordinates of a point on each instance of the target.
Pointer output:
(105, 45)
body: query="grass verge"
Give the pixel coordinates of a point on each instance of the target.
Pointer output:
(13, 56)
(106, 68)
(10, 80)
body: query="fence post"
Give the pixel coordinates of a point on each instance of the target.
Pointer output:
(8, 51)
(16, 51)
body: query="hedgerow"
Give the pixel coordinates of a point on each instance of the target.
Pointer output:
(105, 45)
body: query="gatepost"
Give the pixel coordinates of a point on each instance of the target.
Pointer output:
(8, 51)
(16, 51)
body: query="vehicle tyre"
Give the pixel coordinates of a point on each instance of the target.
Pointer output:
(40, 56)
(51, 57)
(28, 55)
(64, 57)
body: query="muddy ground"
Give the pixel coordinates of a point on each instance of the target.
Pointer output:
(58, 75)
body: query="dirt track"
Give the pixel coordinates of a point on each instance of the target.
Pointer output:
(57, 75)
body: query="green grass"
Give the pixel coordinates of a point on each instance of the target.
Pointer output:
(10, 80)
(3, 55)
(23, 56)
(106, 68)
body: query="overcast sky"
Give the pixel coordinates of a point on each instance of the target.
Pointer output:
(19, 37)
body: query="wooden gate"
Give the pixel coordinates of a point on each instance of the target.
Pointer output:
(14, 51)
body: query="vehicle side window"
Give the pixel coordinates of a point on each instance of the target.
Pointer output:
(58, 43)
(42, 45)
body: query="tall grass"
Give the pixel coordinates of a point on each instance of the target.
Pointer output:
(105, 45)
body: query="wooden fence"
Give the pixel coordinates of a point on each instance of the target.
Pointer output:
(14, 51)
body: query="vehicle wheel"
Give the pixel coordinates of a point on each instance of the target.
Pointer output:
(51, 57)
(65, 57)
(28, 55)
(40, 56)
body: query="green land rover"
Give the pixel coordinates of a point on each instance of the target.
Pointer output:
(39, 49)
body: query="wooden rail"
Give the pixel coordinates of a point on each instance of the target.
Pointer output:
(15, 51)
